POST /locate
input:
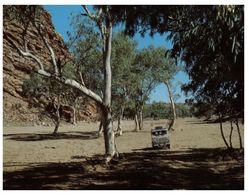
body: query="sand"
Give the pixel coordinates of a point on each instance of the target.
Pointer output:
(32, 146)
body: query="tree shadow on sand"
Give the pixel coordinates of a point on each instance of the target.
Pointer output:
(201, 169)
(42, 136)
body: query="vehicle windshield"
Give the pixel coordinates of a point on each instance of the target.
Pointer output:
(156, 133)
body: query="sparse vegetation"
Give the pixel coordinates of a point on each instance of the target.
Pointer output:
(107, 66)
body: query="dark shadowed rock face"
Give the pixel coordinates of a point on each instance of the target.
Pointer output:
(16, 68)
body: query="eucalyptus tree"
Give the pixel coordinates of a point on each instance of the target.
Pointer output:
(46, 96)
(153, 67)
(104, 22)
(123, 56)
(85, 45)
(144, 82)
(51, 99)
(164, 69)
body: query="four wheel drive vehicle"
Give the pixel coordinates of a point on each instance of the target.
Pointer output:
(160, 137)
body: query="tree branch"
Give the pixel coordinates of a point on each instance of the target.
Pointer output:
(81, 79)
(50, 49)
(92, 16)
(96, 18)
(26, 53)
(89, 14)
(74, 84)
(99, 13)
(52, 56)
(65, 81)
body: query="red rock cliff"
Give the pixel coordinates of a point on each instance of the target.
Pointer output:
(16, 68)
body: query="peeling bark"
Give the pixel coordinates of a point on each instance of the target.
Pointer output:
(110, 146)
(109, 134)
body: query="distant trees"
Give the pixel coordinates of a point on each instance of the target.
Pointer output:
(161, 110)
(145, 82)
(202, 110)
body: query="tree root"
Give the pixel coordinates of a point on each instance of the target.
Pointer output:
(110, 158)
(55, 133)
(118, 133)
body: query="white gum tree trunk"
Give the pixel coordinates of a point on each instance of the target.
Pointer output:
(140, 119)
(120, 119)
(172, 124)
(109, 137)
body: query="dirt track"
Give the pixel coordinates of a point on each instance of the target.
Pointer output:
(33, 150)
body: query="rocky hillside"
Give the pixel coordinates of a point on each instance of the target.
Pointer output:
(16, 68)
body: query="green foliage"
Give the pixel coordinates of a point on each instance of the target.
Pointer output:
(203, 110)
(208, 39)
(161, 65)
(144, 80)
(45, 90)
(122, 58)
(151, 67)
(37, 86)
(215, 58)
(183, 110)
(69, 71)
(160, 110)
(34, 85)
(85, 44)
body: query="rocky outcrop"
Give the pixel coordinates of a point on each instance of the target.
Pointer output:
(16, 68)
